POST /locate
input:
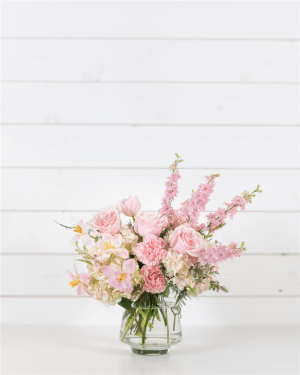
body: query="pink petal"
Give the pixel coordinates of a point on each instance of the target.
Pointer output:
(80, 223)
(85, 227)
(117, 240)
(75, 239)
(111, 271)
(106, 237)
(86, 239)
(114, 281)
(73, 277)
(103, 258)
(86, 291)
(129, 265)
(100, 243)
(78, 290)
(84, 278)
(75, 268)
(126, 286)
(123, 253)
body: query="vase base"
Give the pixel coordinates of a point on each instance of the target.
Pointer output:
(150, 352)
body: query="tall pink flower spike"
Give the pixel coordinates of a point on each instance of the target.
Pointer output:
(120, 279)
(79, 280)
(192, 207)
(171, 190)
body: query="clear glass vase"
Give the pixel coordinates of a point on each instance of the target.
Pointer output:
(151, 330)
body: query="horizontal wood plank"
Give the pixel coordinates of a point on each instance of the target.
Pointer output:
(256, 229)
(58, 146)
(211, 310)
(258, 20)
(93, 189)
(246, 276)
(150, 103)
(149, 60)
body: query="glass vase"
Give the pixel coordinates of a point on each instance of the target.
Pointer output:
(151, 330)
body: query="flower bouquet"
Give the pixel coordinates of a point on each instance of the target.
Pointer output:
(154, 263)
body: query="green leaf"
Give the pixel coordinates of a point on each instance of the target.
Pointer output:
(166, 292)
(177, 155)
(224, 289)
(125, 303)
(63, 225)
(193, 290)
(84, 261)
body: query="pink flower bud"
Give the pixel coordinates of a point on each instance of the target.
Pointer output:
(130, 206)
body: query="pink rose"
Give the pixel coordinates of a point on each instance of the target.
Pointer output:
(186, 241)
(130, 206)
(107, 220)
(149, 222)
(177, 218)
(154, 279)
(151, 251)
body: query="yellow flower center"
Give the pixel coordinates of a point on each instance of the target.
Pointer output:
(122, 276)
(108, 245)
(78, 229)
(74, 283)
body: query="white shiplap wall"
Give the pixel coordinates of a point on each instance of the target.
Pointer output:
(97, 98)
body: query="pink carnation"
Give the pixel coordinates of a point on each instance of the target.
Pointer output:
(151, 251)
(154, 279)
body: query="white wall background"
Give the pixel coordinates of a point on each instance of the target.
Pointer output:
(97, 98)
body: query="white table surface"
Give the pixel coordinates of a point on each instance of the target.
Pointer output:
(97, 350)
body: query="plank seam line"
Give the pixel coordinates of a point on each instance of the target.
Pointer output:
(155, 168)
(219, 296)
(150, 125)
(74, 254)
(155, 82)
(67, 211)
(154, 38)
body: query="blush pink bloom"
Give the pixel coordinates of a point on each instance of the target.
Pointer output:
(186, 240)
(215, 254)
(111, 245)
(81, 231)
(107, 220)
(79, 280)
(149, 222)
(151, 251)
(154, 279)
(177, 218)
(171, 191)
(130, 206)
(120, 279)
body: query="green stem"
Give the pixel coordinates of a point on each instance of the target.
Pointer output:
(129, 312)
(128, 324)
(145, 326)
(167, 324)
(163, 315)
(138, 326)
(174, 319)
(153, 317)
